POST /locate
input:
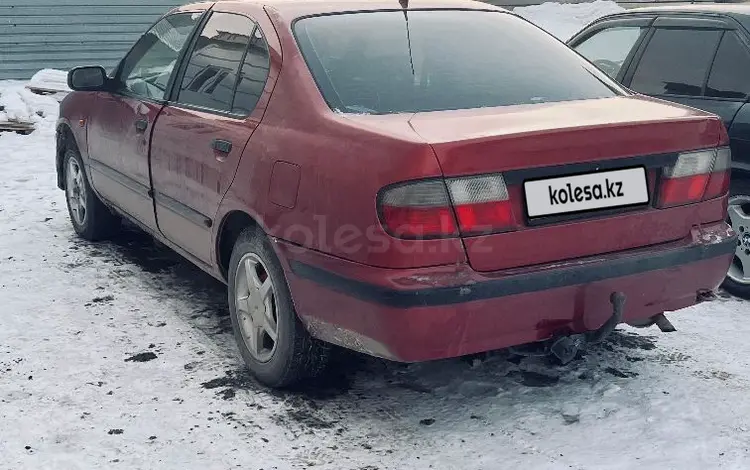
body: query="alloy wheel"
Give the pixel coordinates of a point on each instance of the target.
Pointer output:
(76, 192)
(256, 307)
(739, 218)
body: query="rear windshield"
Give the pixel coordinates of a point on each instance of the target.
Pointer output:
(432, 60)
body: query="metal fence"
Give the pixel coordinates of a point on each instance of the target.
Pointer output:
(37, 34)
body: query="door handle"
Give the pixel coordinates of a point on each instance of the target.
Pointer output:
(141, 125)
(221, 146)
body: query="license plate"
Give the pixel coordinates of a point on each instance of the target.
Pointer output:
(588, 192)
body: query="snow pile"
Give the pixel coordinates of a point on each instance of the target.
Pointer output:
(564, 20)
(19, 104)
(50, 80)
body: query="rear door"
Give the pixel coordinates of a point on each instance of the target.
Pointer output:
(217, 102)
(675, 63)
(729, 84)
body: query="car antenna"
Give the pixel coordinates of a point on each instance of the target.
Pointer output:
(405, 6)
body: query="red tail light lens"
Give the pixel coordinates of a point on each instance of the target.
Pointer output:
(416, 210)
(694, 177)
(482, 204)
(425, 209)
(678, 191)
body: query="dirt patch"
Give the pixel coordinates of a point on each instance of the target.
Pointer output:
(138, 248)
(335, 381)
(309, 418)
(229, 384)
(534, 379)
(414, 387)
(713, 374)
(142, 357)
(619, 373)
(629, 341)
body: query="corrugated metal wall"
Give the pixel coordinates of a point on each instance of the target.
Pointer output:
(60, 34)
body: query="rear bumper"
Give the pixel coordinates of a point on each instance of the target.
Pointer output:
(446, 311)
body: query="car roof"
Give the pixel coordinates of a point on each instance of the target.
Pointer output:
(739, 12)
(291, 9)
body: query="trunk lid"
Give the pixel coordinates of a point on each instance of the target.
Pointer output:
(533, 136)
(572, 141)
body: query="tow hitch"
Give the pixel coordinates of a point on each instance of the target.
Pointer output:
(565, 348)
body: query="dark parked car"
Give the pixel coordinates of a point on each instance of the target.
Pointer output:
(696, 55)
(373, 176)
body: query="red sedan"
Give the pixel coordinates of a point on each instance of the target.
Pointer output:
(414, 180)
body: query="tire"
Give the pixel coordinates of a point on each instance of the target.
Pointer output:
(294, 355)
(737, 281)
(91, 219)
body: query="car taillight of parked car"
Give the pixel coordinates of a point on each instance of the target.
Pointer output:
(696, 176)
(446, 208)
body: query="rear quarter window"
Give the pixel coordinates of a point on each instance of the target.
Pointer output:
(609, 48)
(432, 60)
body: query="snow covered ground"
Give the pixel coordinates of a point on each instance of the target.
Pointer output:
(120, 355)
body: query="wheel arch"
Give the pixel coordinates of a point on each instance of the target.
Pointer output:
(230, 228)
(65, 140)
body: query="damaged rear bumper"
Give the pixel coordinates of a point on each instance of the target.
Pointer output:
(431, 313)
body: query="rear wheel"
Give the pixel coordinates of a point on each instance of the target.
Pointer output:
(275, 345)
(91, 219)
(738, 277)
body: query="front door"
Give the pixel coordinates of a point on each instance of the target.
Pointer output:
(201, 134)
(121, 124)
(612, 44)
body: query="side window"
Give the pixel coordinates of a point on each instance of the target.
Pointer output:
(676, 62)
(608, 48)
(253, 76)
(731, 70)
(146, 70)
(222, 62)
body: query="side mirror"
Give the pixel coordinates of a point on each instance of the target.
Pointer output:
(87, 78)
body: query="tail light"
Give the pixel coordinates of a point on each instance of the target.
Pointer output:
(420, 209)
(695, 176)
(482, 204)
(718, 184)
(443, 209)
